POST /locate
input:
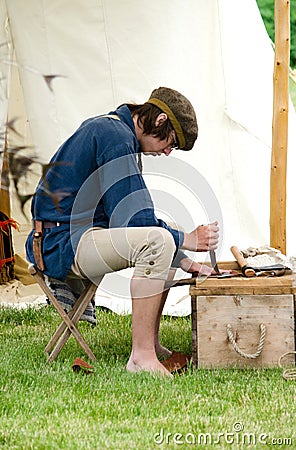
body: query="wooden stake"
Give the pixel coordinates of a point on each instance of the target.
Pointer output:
(280, 125)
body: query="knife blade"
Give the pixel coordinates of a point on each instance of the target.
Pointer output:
(214, 262)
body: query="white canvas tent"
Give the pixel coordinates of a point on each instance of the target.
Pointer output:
(105, 52)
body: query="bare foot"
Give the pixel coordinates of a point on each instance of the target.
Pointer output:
(154, 367)
(162, 352)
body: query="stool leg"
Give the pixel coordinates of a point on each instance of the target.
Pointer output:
(67, 332)
(71, 313)
(71, 328)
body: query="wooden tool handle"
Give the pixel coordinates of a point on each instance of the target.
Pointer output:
(238, 256)
(247, 271)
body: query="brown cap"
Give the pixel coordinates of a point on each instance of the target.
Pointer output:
(180, 113)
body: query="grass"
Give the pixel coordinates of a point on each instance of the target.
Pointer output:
(292, 90)
(267, 12)
(50, 407)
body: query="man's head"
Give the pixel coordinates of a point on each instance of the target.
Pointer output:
(167, 116)
(180, 113)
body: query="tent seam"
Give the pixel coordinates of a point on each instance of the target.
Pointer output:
(237, 199)
(108, 49)
(53, 100)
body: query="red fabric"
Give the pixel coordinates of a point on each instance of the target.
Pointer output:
(11, 222)
(4, 261)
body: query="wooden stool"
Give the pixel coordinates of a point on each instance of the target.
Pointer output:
(69, 320)
(244, 322)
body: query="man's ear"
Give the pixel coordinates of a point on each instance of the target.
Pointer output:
(162, 117)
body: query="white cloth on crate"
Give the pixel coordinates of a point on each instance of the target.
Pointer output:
(266, 256)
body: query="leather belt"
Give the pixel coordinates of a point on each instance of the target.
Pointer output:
(39, 226)
(46, 224)
(37, 244)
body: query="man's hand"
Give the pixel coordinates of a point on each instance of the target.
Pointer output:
(190, 266)
(202, 239)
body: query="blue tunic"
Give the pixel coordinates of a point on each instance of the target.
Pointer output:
(92, 180)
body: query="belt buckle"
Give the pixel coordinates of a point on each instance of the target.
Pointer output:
(58, 224)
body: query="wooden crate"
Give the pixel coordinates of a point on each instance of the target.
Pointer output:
(231, 317)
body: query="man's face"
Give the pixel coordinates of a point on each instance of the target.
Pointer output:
(151, 145)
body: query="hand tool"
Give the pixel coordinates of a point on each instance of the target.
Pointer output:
(274, 270)
(214, 262)
(247, 271)
(218, 274)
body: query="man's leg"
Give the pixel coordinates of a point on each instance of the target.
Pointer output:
(145, 316)
(150, 251)
(160, 350)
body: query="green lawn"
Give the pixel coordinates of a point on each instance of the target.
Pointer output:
(292, 89)
(50, 407)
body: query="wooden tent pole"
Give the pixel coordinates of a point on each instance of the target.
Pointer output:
(280, 125)
(4, 187)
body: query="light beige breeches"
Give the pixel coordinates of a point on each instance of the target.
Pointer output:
(149, 250)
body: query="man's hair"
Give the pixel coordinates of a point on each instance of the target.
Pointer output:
(147, 115)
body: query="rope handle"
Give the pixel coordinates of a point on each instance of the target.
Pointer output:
(241, 352)
(290, 373)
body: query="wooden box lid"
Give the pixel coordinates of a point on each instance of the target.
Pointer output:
(264, 285)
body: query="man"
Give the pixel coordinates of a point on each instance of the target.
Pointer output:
(95, 215)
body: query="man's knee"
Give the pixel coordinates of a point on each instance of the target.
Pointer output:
(161, 240)
(155, 258)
